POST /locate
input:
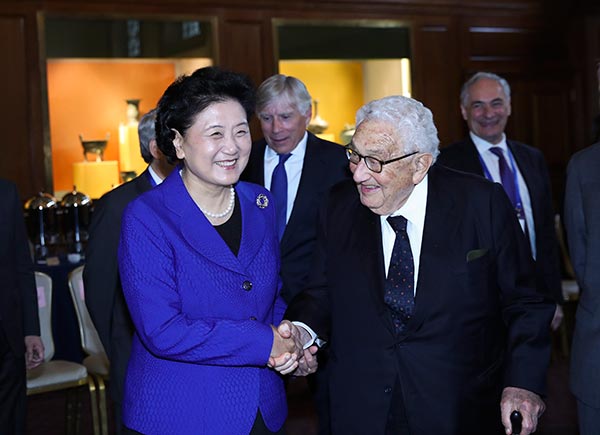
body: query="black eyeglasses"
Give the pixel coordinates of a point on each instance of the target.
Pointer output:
(373, 163)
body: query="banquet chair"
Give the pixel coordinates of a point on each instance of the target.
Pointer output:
(96, 362)
(55, 375)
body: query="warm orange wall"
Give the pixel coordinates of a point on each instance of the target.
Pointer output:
(89, 98)
(338, 85)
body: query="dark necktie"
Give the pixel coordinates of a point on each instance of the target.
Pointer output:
(399, 285)
(508, 183)
(506, 175)
(279, 188)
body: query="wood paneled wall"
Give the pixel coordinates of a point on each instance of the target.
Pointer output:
(554, 91)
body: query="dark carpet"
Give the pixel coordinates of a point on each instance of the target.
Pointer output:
(46, 412)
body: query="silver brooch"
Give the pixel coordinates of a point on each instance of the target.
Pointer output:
(262, 201)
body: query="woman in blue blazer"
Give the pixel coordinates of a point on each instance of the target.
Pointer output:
(199, 264)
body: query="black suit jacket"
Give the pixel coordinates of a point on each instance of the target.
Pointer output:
(18, 297)
(102, 285)
(479, 324)
(582, 219)
(325, 163)
(463, 156)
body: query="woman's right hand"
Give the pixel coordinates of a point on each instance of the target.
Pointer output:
(284, 353)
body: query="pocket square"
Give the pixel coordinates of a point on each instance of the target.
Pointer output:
(476, 253)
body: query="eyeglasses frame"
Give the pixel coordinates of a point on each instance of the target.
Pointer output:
(350, 151)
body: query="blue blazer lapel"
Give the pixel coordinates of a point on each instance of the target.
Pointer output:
(254, 226)
(196, 230)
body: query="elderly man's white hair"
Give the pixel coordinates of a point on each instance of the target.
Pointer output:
(412, 121)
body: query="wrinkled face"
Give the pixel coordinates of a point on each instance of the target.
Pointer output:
(215, 149)
(487, 110)
(283, 125)
(387, 191)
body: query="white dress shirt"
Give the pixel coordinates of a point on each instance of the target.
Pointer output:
(491, 162)
(413, 211)
(293, 170)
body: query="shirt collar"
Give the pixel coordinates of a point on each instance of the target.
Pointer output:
(297, 153)
(483, 145)
(154, 175)
(414, 207)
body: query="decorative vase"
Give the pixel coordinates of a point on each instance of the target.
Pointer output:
(317, 125)
(95, 147)
(131, 163)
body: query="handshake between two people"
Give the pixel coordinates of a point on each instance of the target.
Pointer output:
(288, 355)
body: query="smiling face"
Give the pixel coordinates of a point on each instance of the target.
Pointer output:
(385, 192)
(486, 110)
(282, 124)
(215, 149)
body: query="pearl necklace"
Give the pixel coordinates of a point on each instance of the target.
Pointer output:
(227, 211)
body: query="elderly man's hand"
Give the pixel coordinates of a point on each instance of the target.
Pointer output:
(34, 351)
(529, 404)
(558, 318)
(308, 363)
(300, 361)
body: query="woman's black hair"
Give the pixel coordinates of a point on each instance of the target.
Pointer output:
(189, 95)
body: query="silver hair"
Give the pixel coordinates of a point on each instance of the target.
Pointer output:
(464, 92)
(147, 132)
(412, 121)
(278, 85)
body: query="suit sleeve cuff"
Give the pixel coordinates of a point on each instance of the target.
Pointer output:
(313, 336)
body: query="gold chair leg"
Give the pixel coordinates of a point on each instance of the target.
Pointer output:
(93, 405)
(102, 405)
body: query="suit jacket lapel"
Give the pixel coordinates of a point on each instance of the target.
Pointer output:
(312, 165)
(255, 172)
(440, 228)
(142, 182)
(471, 158)
(526, 166)
(367, 230)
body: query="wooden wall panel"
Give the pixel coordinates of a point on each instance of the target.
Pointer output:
(241, 51)
(240, 47)
(436, 75)
(451, 40)
(22, 157)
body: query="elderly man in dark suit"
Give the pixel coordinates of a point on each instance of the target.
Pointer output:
(423, 287)
(582, 223)
(310, 166)
(521, 169)
(20, 342)
(103, 293)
